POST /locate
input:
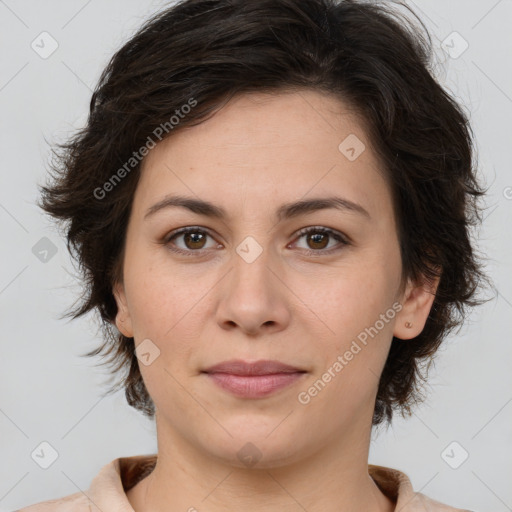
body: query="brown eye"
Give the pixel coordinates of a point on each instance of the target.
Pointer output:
(190, 240)
(194, 240)
(318, 238)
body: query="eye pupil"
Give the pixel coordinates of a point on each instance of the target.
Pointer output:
(315, 237)
(194, 238)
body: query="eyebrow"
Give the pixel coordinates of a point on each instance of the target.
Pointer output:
(286, 211)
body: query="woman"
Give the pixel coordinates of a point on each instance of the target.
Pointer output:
(271, 204)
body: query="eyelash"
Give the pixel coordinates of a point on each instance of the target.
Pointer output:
(304, 231)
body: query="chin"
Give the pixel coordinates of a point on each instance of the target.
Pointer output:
(258, 447)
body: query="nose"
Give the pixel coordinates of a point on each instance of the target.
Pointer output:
(253, 296)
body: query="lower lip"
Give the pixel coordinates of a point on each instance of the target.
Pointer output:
(255, 386)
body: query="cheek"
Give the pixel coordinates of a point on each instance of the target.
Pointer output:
(356, 303)
(164, 309)
(167, 306)
(354, 299)
(354, 353)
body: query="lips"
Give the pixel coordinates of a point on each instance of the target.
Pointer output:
(255, 380)
(263, 367)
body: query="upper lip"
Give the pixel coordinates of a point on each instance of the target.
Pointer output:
(262, 367)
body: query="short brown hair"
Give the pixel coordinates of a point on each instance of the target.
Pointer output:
(371, 57)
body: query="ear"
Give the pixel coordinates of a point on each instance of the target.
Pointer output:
(123, 319)
(416, 303)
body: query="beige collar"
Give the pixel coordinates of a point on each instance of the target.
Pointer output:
(107, 492)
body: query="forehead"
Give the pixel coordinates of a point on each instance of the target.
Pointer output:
(271, 147)
(272, 120)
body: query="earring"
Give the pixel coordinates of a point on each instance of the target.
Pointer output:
(408, 325)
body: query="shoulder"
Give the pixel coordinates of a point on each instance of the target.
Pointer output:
(396, 485)
(77, 502)
(107, 491)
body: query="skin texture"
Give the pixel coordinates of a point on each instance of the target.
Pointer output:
(255, 154)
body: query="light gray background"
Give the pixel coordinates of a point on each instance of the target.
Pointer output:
(48, 393)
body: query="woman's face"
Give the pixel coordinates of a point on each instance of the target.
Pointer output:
(250, 286)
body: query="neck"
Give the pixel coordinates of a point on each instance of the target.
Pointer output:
(332, 478)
